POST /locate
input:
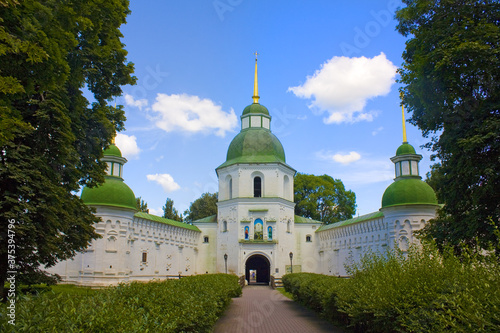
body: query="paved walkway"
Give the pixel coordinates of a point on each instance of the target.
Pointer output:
(264, 310)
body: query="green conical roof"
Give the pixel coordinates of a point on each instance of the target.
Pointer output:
(408, 191)
(405, 149)
(113, 192)
(112, 150)
(255, 145)
(255, 108)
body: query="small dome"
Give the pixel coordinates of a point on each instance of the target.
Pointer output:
(405, 149)
(256, 108)
(112, 150)
(255, 145)
(113, 192)
(409, 191)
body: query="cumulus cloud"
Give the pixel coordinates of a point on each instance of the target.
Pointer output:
(190, 113)
(165, 180)
(340, 158)
(128, 145)
(140, 103)
(343, 85)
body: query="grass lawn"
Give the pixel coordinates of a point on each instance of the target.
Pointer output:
(285, 293)
(71, 289)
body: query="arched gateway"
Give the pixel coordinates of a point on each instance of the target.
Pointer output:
(258, 269)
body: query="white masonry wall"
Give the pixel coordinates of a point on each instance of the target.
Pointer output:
(347, 244)
(118, 256)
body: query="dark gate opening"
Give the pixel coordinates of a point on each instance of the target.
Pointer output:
(261, 265)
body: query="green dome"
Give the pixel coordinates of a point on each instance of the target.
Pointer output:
(255, 108)
(113, 192)
(409, 191)
(255, 145)
(112, 150)
(405, 149)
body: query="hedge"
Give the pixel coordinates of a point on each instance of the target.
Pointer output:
(421, 291)
(191, 304)
(317, 292)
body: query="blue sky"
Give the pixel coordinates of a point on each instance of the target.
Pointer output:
(326, 74)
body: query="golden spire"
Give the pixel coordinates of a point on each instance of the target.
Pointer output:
(403, 113)
(255, 84)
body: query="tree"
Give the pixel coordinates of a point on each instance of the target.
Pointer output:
(451, 73)
(170, 212)
(204, 206)
(51, 138)
(141, 205)
(323, 198)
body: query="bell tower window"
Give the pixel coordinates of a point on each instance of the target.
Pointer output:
(257, 187)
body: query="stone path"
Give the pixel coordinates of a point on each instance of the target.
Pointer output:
(264, 310)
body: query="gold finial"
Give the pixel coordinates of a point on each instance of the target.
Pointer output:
(403, 113)
(255, 84)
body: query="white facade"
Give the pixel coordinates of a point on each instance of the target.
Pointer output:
(347, 241)
(132, 248)
(255, 231)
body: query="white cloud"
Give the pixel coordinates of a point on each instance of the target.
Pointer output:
(343, 85)
(155, 211)
(346, 159)
(368, 171)
(375, 132)
(192, 114)
(128, 145)
(356, 169)
(340, 158)
(165, 180)
(140, 103)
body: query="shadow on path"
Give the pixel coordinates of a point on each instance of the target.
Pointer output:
(264, 310)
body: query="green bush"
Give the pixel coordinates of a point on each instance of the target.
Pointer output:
(34, 289)
(191, 304)
(419, 291)
(423, 291)
(318, 292)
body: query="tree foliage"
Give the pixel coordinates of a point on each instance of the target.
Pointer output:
(323, 198)
(51, 137)
(451, 73)
(204, 206)
(170, 212)
(142, 206)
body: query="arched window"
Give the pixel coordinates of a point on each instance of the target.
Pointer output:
(286, 188)
(230, 188)
(111, 244)
(205, 239)
(224, 226)
(308, 238)
(288, 226)
(257, 187)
